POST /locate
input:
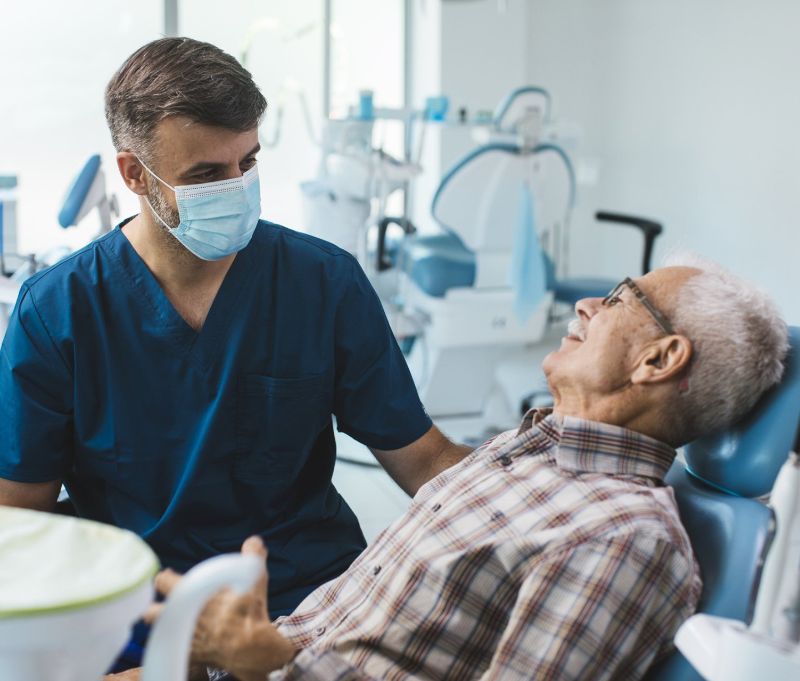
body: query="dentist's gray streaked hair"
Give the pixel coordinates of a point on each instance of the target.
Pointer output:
(179, 77)
(739, 342)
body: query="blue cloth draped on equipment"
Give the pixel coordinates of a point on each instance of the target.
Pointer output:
(527, 264)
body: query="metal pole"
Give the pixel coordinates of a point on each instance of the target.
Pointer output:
(407, 97)
(326, 59)
(170, 18)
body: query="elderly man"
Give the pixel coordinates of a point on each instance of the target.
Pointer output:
(551, 552)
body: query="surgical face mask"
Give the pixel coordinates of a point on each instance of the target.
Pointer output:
(217, 219)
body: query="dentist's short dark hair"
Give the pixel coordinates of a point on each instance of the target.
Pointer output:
(179, 77)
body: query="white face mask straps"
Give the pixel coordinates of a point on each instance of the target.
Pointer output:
(154, 175)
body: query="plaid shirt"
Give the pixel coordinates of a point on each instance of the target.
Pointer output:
(551, 552)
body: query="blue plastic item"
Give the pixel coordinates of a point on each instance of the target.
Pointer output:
(77, 193)
(528, 272)
(746, 458)
(366, 110)
(436, 108)
(730, 537)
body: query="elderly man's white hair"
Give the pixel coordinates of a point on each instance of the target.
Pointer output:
(739, 342)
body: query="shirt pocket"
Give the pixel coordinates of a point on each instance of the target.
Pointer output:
(278, 422)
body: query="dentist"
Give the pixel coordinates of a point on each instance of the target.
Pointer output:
(180, 374)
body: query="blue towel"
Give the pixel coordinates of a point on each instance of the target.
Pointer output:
(527, 263)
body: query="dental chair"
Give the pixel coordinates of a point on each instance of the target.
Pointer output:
(87, 192)
(715, 490)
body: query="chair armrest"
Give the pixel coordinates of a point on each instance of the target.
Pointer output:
(649, 228)
(383, 263)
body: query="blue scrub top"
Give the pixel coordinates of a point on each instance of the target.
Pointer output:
(197, 440)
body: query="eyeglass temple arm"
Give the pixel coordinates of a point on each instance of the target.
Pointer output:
(650, 230)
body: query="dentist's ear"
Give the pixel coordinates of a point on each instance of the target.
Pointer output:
(663, 360)
(132, 172)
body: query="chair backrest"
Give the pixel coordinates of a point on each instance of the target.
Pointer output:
(745, 459)
(518, 103)
(730, 537)
(478, 199)
(731, 534)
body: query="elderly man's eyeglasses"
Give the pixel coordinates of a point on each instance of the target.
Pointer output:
(660, 318)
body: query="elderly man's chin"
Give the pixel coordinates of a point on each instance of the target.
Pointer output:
(569, 343)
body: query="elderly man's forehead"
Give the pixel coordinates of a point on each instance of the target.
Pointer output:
(663, 284)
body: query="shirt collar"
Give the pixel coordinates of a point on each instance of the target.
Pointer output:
(586, 446)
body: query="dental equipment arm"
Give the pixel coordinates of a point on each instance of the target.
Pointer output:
(37, 496)
(415, 464)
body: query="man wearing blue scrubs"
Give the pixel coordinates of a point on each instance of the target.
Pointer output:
(179, 374)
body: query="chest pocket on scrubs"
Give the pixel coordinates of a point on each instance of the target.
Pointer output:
(278, 421)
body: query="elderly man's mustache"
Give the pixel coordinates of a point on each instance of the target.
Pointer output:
(575, 328)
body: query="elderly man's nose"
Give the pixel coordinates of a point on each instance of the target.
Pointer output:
(586, 308)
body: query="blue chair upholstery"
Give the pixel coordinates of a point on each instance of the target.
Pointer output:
(731, 533)
(730, 537)
(78, 192)
(572, 290)
(437, 262)
(745, 459)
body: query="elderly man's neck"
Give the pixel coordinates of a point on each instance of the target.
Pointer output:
(644, 414)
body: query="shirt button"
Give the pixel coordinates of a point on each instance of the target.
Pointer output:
(505, 460)
(436, 507)
(319, 631)
(376, 569)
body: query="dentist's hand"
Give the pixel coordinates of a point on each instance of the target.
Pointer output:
(233, 631)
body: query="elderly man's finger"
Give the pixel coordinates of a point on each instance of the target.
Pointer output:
(166, 581)
(254, 546)
(153, 613)
(130, 675)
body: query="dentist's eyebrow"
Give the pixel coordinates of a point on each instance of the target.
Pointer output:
(213, 165)
(252, 152)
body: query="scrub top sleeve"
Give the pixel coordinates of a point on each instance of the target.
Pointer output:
(376, 401)
(36, 404)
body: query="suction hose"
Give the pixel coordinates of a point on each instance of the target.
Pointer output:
(166, 657)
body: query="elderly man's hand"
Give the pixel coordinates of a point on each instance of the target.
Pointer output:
(233, 631)
(196, 673)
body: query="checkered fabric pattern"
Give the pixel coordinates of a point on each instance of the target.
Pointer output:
(550, 552)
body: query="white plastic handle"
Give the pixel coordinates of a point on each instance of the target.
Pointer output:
(166, 657)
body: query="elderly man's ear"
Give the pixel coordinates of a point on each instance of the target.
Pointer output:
(662, 360)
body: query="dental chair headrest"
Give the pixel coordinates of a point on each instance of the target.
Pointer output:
(745, 459)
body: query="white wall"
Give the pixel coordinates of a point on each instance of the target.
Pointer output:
(472, 54)
(57, 59)
(691, 109)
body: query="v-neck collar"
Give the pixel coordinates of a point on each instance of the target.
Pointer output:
(202, 345)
